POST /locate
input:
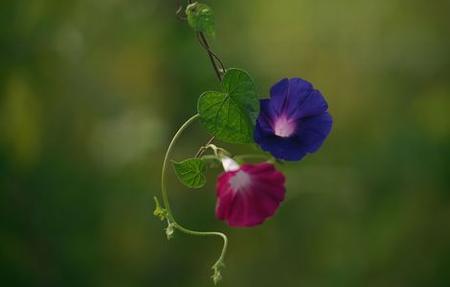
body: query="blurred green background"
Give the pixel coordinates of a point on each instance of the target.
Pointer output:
(91, 92)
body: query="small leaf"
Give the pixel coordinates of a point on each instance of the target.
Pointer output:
(201, 18)
(191, 172)
(230, 115)
(159, 211)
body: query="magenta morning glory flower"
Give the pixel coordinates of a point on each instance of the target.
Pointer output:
(294, 121)
(248, 194)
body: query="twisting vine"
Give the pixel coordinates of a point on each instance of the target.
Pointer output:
(165, 212)
(292, 123)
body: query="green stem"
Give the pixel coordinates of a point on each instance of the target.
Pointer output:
(252, 156)
(166, 203)
(210, 157)
(165, 162)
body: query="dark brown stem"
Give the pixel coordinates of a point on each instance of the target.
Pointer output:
(216, 62)
(180, 11)
(212, 56)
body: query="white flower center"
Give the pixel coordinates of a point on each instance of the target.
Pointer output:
(283, 127)
(241, 180)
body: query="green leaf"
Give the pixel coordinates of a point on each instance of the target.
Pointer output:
(191, 172)
(230, 115)
(159, 211)
(201, 18)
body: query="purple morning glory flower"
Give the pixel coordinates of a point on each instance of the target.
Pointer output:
(294, 121)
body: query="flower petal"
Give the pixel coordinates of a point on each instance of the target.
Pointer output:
(254, 204)
(309, 136)
(310, 104)
(281, 148)
(225, 194)
(266, 116)
(313, 131)
(287, 95)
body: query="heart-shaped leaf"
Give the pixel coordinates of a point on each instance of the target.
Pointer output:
(191, 172)
(230, 114)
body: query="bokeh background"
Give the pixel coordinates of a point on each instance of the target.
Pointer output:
(91, 92)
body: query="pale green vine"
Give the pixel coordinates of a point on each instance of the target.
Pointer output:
(165, 212)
